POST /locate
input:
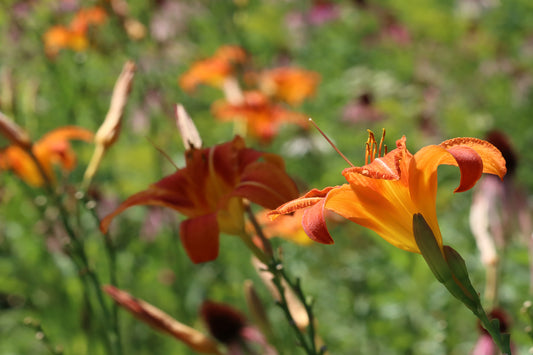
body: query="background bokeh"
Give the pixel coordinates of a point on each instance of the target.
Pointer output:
(427, 69)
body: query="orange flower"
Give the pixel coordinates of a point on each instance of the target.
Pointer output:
(214, 70)
(53, 148)
(75, 35)
(262, 116)
(286, 227)
(87, 17)
(291, 85)
(385, 194)
(209, 190)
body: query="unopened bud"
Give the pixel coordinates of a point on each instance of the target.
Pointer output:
(14, 133)
(161, 321)
(189, 134)
(109, 131)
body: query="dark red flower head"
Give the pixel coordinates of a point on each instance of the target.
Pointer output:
(225, 323)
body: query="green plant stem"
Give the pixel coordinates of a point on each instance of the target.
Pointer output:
(275, 267)
(112, 260)
(501, 340)
(278, 274)
(41, 335)
(78, 250)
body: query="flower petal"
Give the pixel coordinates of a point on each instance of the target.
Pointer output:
(170, 192)
(199, 237)
(314, 224)
(383, 206)
(265, 184)
(54, 147)
(309, 199)
(493, 161)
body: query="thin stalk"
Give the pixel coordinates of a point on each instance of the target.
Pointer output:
(112, 260)
(258, 253)
(275, 267)
(501, 340)
(267, 247)
(275, 270)
(78, 247)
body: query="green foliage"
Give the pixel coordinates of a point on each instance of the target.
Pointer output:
(450, 73)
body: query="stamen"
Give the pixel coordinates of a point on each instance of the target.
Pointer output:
(165, 155)
(381, 143)
(330, 142)
(371, 148)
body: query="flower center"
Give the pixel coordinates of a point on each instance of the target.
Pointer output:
(373, 148)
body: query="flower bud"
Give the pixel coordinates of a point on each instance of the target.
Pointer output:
(14, 133)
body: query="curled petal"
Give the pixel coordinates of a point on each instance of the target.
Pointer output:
(314, 223)
(309, 199)
(493, 161)
(200, 236)
(470, 166)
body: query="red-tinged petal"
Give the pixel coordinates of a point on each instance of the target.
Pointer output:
(266, 185)
(493, 161)
(158, 194)
(470, 166)
(294, 205)
(428, 159)
(309, 199)
(314, 224)
(199, 237)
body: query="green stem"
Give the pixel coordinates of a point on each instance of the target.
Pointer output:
(501, 340)
(112, 260)
(279, 277)
(258, 253)
(78, 248)
(276, 269)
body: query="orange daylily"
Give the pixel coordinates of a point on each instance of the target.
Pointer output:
(263, 117)
(291, 85)
(87, 17)
(384, 194)
(209, 190)
(75, 35)
(53, 148)
(214, 70)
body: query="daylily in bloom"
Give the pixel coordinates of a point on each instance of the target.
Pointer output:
(263, 117)
(292, 85)
(53, 148)
(384, 194)
(215, 70)
(209, 190)
(75, 35)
